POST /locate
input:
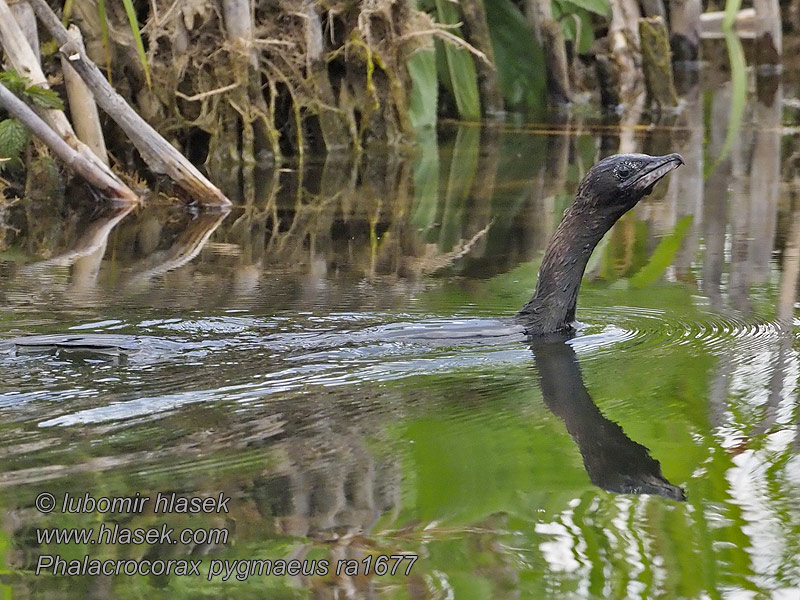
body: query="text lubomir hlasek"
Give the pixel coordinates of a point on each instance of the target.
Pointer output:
(163, 503)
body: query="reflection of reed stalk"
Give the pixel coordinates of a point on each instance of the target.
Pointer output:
(787, 295)
(185, 248)
(94, 237)
(739, 97)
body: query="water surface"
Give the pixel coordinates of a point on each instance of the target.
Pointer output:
(335, 357)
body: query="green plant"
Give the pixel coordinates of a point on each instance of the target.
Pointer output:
(456, 66)
(518, 58)
(575, 17)
(424, 89)
(13, 139)
(13, 134)
(133, 22)
(34, 94)
(738, 64)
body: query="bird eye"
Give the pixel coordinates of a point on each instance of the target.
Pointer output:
(626, 169)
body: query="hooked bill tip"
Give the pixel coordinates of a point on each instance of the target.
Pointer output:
(646, 179)
(676, 157)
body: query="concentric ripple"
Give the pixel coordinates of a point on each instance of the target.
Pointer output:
(647, 330)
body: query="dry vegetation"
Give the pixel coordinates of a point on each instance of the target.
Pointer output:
(296, 76)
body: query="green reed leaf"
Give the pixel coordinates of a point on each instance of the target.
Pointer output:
(424, 88)
(598, 7)
(518, 58)
(663, 255)
(457, 70)
(133, 21)
(101, 13)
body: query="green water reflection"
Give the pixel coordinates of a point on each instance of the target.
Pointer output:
(286, 378)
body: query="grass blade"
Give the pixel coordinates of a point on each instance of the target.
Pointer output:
(130, 11)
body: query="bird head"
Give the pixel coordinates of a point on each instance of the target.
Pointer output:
(618, 182)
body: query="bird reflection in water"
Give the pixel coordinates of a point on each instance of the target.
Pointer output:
(613, 461)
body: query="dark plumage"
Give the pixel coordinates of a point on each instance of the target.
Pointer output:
(610, 188)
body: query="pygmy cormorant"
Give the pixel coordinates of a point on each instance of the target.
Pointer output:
(610, 188)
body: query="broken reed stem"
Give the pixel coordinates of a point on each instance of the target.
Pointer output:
(23, 59)
(26, 19)
(83, 108)
(83, 166)
(158, 153)
(25, 62)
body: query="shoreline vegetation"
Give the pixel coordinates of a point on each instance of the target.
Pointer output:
(254, 82)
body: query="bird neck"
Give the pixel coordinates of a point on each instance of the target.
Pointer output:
(552, 307)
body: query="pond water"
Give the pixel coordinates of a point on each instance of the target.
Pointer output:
(332, 358)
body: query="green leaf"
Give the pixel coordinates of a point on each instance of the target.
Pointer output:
(663, 255)
(569, 25)
(44, 97)
(577, 26)
(586, 34)
(599, 7)
(13, 138)
(458, 69)
(13, 81)
(101, 14)
(130, 11)
(66, 12)
(424, 88)
(519, 59)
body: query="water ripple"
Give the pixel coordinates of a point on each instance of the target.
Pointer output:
(235, 359)
(649, 330)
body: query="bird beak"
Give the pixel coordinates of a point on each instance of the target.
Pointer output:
(653, 172)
